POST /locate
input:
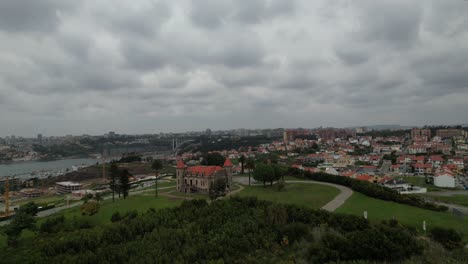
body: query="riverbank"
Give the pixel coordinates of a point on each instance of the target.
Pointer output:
(27, 169)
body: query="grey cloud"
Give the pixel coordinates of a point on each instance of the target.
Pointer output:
(352, 57)
(395, 23)
(212, 14)
(167, 65)
(30, 15)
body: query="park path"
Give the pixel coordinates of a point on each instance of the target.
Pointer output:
(339, 200)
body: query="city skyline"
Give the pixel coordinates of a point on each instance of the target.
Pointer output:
(84, 67)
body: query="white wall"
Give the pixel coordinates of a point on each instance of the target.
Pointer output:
(444, 181)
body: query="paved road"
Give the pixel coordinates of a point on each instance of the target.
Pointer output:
(331, 206)
(449, 193)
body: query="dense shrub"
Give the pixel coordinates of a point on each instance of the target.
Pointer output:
(116, 217)
(448, 237)
(235, 230)
(52, 225)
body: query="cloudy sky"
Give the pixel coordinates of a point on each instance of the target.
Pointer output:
(148, 66)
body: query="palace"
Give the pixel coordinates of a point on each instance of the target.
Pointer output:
(199, 178)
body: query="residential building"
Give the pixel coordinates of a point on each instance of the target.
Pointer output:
(449, 132)
(420, 133)
(422, 168)
(67, 187)
(435, 160)
(291, 134)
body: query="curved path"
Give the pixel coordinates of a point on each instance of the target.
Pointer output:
(338, 201)
(331, 206)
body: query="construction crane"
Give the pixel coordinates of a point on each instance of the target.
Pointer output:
(7, 197)
(103, 169)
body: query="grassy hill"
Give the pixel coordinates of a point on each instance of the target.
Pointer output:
(379, 210)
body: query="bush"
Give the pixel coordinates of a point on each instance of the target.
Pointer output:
(89, 208)
(448, 237)
(52, 225)
(280, 186)
(116, 217)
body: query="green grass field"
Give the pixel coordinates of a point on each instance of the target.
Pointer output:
(379, 210)
(140, 202)
(309, 195)
(190, 195)
(453, 199)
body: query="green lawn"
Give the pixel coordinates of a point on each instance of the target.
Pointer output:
(453, 199)
(380, 210)
(190, 195)
(310, 195)
(139, 202)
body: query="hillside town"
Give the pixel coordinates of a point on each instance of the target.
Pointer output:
(401, 160)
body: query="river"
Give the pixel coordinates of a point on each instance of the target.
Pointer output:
(24, 169)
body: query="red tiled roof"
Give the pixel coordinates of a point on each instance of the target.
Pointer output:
(347, 173)
(364, 177)
(422, 165)
(384, 179)
(206, 171)
(180, 164)
(227, 163)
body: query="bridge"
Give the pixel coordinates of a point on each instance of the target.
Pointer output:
(167, 145)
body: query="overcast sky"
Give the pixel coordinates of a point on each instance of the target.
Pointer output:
(92, 66)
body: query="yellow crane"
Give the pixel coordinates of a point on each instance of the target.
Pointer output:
(7, 196)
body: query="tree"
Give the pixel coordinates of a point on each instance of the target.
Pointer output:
(156, 166)
(87, 197)
(98, 197)
(30, 208)
(279, 172)
(114, 173)
(213, 159)
(263, 173)
(217, 188)
(89, 208)
(250, 165)
(23, 219)
(124, 182)
(242, 161)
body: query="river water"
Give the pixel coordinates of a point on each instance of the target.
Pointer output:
(24, 169)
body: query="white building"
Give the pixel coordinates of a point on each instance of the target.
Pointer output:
(67, 187)
(444, 179)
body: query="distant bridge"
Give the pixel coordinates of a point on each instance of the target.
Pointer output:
(168, 144)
